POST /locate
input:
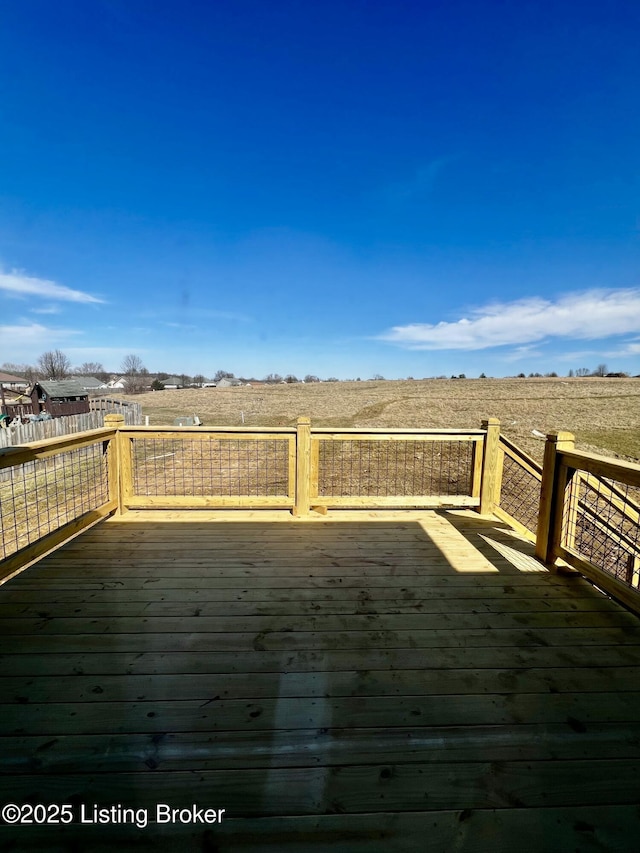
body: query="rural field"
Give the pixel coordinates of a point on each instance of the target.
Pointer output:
(604, 414)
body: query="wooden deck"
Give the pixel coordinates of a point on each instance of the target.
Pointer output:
(396, 681)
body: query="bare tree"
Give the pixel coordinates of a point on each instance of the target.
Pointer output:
(290, 378)
(222, 374)
(601, 370)
(134, 371)
(54, 364)
(583, 371)
(199, 380)
(26, 371)
(93, 368)
(87, 368)
(131, 364)
(311, 378)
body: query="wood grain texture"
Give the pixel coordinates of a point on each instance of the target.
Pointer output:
(360, 685)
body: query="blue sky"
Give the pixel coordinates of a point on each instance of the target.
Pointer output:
(337, 188)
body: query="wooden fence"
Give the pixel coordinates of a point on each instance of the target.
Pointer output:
(19, 434)
(111, 405)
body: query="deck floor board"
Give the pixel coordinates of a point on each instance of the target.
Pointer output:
(357, 681)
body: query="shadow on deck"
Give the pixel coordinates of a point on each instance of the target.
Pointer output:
(378, 681)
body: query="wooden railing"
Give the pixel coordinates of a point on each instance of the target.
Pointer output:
(577, 507)
(519, 477)
(590, 517)
(50, 490)
(298, 468)
(198, 467)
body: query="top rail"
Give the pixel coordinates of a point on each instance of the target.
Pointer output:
(10, 456)
(396, 431)
(518, 454)
(204, 430)
(601, 466)
(477, 433)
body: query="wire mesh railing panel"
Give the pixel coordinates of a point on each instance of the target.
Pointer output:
(520, 493)
(603, 528)
(394, 468)
(221, 467)
(40, 496)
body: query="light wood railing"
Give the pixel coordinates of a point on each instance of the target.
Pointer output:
(519, 477)
(590, 517)
(299, 468)
(51, 490)
(577, 507)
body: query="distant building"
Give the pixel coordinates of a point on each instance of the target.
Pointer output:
(228, 382)
(90, 383)
(13, 383)
(58, 398)
(172, 382)
(116, 382)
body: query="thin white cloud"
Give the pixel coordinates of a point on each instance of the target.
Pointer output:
(109, 355)
(580, 355)
(590, 315)
(527, 351)
(630, 348)
(28, 334)
(18, 284)
(49, 309)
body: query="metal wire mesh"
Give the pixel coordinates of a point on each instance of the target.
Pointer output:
(520, 493)
(602, 526)
(39, 497)
(394, 468)
(215, 467)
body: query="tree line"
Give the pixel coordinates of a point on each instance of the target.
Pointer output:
(56, 365)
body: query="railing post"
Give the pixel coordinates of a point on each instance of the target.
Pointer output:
(552, 493)
(633, 571)
(490, 484)
(116, 422)
(303, 466)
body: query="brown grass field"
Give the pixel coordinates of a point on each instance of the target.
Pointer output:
(604, 414)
